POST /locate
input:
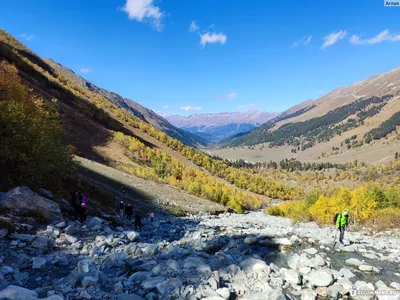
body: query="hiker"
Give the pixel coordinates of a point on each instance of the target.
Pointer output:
(128, 211)
(83, 208)
(152, 217)
(138, 222)
(121, 209)
(342, 221)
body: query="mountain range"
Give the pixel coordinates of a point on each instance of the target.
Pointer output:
(216, 127)
(358, 121)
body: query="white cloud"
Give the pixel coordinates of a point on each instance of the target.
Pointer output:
(85, 70)
(166, 106)
(162, 113)
(189, 108)
(212, 38)
(144, 11)
(333, 38)
(303, 42)
(193, 27)
(27, 37)
(384, 36)
(229, 96)
(247, 106)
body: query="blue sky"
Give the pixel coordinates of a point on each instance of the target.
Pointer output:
(237, 55)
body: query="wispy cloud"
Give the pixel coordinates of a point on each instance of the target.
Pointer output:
(247, 106)
(333, 38)
(144, 11)
(320, 92)
(212, 38)
(27, 37)
(166, 106)
(229, 96)
(384, 36)
(193, 27)
(303, 42)
(85, 70)
(189, 108)
(162, 113)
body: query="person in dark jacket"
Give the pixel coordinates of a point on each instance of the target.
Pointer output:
(121, 209)
(138, 222)
(342, 222)
(128, 211)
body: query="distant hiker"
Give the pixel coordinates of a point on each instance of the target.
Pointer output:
(152, 217)
(83, 209)
(129, 211)
(121, 209)
(158, 201)
(342, 221)
(138, 222)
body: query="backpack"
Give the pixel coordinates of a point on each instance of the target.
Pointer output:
(335, 218)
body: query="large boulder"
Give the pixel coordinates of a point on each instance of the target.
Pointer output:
(22, 200)
(254, 265)
(321, 277)
(13, 292)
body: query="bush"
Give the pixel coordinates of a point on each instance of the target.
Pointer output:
(388, 218)
(31, 146)
(274, 211)
(295, 210)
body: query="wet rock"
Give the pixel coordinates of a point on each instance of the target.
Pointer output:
(354, 262)
(346, 273)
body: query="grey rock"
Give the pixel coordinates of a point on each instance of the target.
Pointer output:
(380, 284)
(224, 293)
(5, 270)
(320, 278)
(60, 224)
(93, 221)
(334, 291)
(254, 265)
(346, 284)
(365, 268)
(85, 295)
(71, 229)
(196, 262)
(89, 281)
(292, 276)
(22, 199)
(346, 273)
(38, 263)
(41, 243)
(129, 297)
(133, 236)
(311, 251)
(86, 267)
(152, 282)
(169, 287)
(316, 262)
(23, 237)
(13, 292)
(46, 193)
(250, 240)
(54, 297)
(71, 238)
(308, 295)
(3, 233)
(354, 262)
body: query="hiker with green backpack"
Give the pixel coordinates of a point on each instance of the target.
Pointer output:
(342, 221)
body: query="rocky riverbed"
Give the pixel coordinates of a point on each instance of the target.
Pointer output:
(249, 256)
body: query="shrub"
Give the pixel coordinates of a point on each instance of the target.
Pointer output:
(295, 210)
(274, 211)
(387, 219)
(31, 146)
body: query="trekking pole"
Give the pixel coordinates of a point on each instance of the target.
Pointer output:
(335, 240)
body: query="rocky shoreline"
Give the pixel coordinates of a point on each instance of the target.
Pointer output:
(248, 256)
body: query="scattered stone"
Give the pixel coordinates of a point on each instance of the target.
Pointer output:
(346, 273)
(13, 292)
(133, 236)
(292, 276)
(354, 262)
(365, 268)
(41, 243)
(38, 263)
